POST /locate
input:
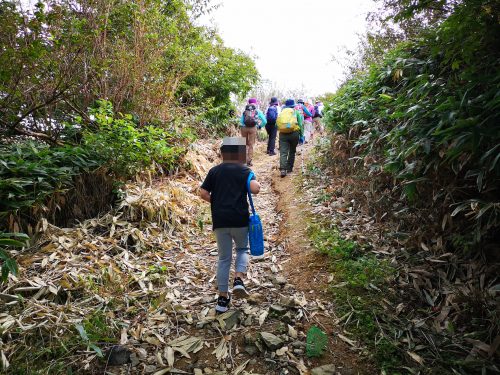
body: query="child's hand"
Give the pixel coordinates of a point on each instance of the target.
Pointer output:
(301, 140)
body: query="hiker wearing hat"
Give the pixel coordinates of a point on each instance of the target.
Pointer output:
(251, 120)
(318, 115)
(291, 130)
(308, 122)
(271, 129)
(225, 188)
(304, 112)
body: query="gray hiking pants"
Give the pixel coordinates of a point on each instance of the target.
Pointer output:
(225, 238)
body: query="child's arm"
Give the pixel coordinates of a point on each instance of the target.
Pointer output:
(205, 195)
(207, 187)
(254, 187)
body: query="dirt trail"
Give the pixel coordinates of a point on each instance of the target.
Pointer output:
(288, 291)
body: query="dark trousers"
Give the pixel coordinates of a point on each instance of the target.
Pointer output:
(288, 146)
(271, 130)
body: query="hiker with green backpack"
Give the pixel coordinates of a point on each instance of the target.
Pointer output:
(251, 120)
(225, 188)
(291, 133)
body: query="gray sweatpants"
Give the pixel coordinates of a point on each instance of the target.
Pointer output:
(225, 238)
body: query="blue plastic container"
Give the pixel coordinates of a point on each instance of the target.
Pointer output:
(255, 231)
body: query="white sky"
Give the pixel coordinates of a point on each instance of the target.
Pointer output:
(282, 35)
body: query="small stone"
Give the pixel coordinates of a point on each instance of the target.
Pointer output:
(277, 310)
(213, 253)
(258, 344)
(232, 319)
(250, 339)
(253, 362)
(255, 299)
(118, 355)
(248, 321)
(142, 353)
(271, 341)
(287, 318)
(134, 359)
(288, 301)
(298, 344)
(198, 371)
(150, 369)
(324, 370)
(298, 351)
(250, 349)
(280, 280)
(281, 351)
(269, 361)
(208, 299)
(208, 370)
(292, 332)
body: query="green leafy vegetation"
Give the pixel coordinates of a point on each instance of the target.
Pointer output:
(416, 124)
(30, 171)
(140, 147)
(165, 80)
(7, 263)
(358, 280)
(149, 59)
(428, 115)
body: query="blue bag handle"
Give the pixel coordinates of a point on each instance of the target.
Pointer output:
(248, 191)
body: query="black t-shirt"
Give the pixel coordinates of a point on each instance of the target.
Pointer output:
(227, 185)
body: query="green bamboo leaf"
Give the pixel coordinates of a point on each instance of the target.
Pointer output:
(96, 349)
(82, 332)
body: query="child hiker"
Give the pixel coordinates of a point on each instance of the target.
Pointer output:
(225, 187)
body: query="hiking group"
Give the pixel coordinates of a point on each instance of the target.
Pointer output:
(227, 185)
(296, 123)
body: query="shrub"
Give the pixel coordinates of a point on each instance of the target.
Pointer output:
(7, 240)
(428, 115)
(31, 171)
(127, 148)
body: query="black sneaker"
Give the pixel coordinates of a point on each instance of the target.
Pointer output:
(239, 290)
(283, 173)
(222, 304)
